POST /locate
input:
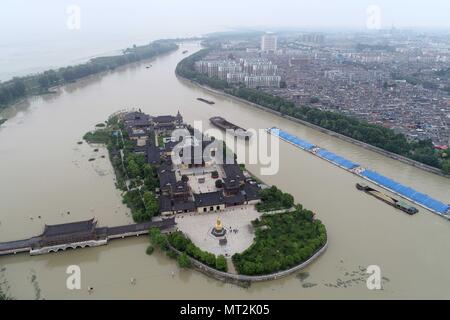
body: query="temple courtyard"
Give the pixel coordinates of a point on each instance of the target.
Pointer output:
(235, 220)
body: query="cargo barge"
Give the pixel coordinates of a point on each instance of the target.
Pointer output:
(387, 199)
(418, 198)
(206, 101)
(226, 125)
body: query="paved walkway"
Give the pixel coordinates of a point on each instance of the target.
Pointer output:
(198, 228)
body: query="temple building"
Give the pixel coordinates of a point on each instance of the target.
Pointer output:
(70, 235)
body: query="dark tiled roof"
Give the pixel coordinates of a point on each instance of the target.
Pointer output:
(209, 199)
(183, 205)
(153, 155)
(165, 204)
(232, 171)
(169, 146)
(164, 119)
(138, 133)
(69, 228)
(130, 116)
(252, 191)
(140, 149)
(231, 184)
(180, 187)
(166, 176)
(238, 198)
(138, 123)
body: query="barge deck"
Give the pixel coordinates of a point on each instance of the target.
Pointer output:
(420, 199)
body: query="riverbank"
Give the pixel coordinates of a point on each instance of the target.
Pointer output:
(15, 90)
(244, 280)
(323, 130)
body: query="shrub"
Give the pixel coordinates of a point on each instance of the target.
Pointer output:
(150, 250)
(183, 261)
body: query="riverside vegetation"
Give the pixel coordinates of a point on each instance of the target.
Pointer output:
(187, 248)
(18, 88)
(422, 151)
(282, 241)
(136, 178)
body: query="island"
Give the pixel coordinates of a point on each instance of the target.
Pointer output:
(229, 225)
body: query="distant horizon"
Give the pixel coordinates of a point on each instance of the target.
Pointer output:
(34, 55)
(328, 29)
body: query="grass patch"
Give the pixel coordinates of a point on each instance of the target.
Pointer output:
(274, 199)
(98, 136)
(160, 141)
(282, 241)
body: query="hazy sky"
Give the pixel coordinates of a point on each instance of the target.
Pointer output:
(183, 17)
(34, 33)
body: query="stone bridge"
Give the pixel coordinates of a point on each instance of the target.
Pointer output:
(80, 235)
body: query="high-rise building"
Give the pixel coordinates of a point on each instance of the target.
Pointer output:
(269, 42)
(262, 81)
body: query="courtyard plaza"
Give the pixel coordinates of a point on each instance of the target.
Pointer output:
(235, 220)
(200, 180)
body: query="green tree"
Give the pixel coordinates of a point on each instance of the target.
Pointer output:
(287, 240)
(183, 261)
(221, 263)
(151, 205)
(158, 239)
(179, 241)
(446, 166)
(133, 169)
(150, 250)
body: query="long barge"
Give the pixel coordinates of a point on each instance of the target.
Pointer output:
(206, 101)
(387, 199)
(420, 199)
(228, 126)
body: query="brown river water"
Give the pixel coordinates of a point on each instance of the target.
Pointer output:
(44, 172)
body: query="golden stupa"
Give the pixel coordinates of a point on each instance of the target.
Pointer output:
(218, 229)
(218, 224)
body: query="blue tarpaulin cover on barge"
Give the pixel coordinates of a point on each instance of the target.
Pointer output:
(407, 192)
(337, 159)
(381, 180)
(305, 145)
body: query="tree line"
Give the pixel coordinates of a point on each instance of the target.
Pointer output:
(186, 69)
(384, 138)
(274, 199)
(422, 151)
(187, 248)
(139, 195)
(13, 90)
